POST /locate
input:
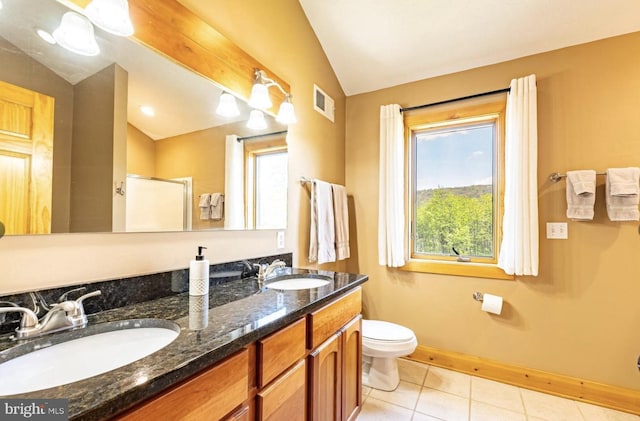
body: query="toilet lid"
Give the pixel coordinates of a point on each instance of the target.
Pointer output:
(385, 331)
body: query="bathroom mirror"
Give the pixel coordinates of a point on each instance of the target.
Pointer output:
(109, 167)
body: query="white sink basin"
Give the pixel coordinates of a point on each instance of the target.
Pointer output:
(84, 357)
(297, 283)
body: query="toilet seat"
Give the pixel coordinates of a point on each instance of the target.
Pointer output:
(387, 340)
(378, 330)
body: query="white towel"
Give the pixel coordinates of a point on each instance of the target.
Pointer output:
(581, 194)
(341, 216)
(622, 194)
(205, 205)
(217, 205)
(322, 236)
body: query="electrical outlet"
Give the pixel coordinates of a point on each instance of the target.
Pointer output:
(557, 231)
(280, 239)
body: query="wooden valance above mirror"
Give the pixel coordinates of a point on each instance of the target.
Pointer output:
(173, 30)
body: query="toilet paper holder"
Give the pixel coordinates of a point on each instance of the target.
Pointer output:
(478, 296)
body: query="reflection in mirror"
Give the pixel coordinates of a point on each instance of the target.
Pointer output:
(124, 141)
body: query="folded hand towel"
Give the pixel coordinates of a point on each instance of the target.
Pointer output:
(622, 194)
(217, 205)
(322, 235)
(581, 189)
(205, 205)
(341, 216)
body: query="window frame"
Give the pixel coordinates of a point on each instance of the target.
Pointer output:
(252, 152)
(459, 113)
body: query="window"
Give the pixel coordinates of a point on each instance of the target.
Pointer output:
(455, 188)
(267, 174)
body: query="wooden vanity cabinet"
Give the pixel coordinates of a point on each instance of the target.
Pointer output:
(325, 384)
(352, 369)
(284, 398)
(209, 395)
(335, 366)
(308, 370)
(322, 381)
(281, 374)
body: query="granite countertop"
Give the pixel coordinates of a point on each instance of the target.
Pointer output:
(240, 312)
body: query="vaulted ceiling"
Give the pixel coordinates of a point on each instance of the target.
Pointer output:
(373, 44)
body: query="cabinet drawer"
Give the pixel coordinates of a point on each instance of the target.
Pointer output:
(285, 399)
(329, 319)
(279, 351)
(210, 395)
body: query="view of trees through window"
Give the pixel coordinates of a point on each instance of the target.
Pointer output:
(454, 188)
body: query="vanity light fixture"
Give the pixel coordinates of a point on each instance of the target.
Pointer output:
(0, 4)
(111, 15)
(286, 114)
(256, 120)
(260, 97)
(75, 34)
(227, 107)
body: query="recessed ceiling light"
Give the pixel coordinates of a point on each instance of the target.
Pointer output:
(45, 36)
(147, 110)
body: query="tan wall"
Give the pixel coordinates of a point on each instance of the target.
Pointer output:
(278, 34)
(199, 155)
(121, 93)
(19, 69)
(580, 317)
(141, 153)
(282, 39)
(97, 151)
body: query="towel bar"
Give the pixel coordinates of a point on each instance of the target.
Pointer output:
(555, 177)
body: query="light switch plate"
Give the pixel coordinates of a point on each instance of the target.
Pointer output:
(557, 231)
(280, 239)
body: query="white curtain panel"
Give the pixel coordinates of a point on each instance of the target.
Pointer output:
(233, 184)
(519, 249)
(391, 241)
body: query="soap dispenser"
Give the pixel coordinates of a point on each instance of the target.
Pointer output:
(199, 275)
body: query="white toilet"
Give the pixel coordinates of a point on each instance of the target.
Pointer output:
(382, 343)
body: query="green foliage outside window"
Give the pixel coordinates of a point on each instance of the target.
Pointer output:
(459, 217)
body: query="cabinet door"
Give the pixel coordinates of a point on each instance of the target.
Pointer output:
(325, 372)
(352, 369)
(284, 399)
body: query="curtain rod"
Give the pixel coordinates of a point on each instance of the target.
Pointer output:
(417, 107)
(240, 139)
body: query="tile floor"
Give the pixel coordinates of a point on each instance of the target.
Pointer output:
(429, 393)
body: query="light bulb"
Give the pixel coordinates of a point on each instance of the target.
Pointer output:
(227, 107)
(256, 120)
(75, 34)
(286, 113)
(260, 97)
(111, 15)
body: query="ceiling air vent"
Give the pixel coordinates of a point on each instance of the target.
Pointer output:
(323, 103)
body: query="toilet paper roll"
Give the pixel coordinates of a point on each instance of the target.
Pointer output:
(492, 303)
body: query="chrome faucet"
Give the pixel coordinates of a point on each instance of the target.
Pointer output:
(61, 316)
(265, 270)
